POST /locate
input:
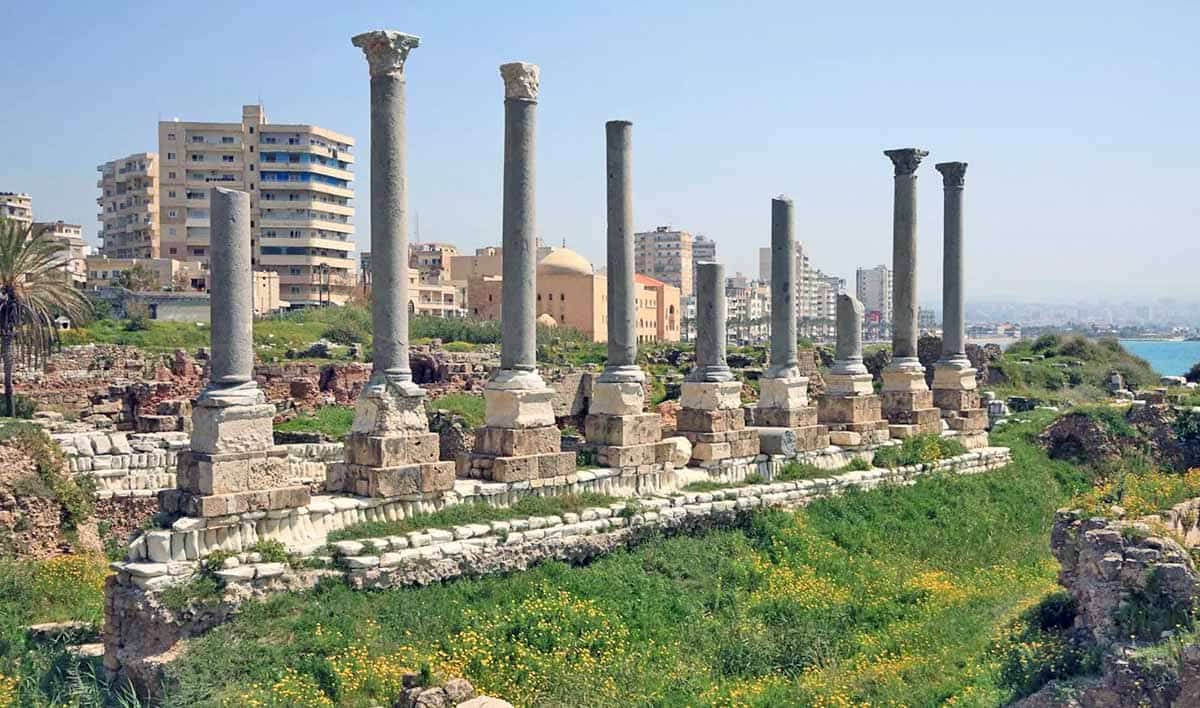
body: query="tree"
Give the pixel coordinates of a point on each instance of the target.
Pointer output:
(32, 292)
(139, 278)
(1193, 374)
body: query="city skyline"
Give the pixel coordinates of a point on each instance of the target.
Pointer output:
(1039, 192)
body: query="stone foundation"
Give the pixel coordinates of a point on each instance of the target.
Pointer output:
(853, 420)
(908, 404)
(713, 421)
(955, 395)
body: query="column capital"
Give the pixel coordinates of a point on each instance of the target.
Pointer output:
(520, 80)
(386, 50)
(906, 160)
(953, 174)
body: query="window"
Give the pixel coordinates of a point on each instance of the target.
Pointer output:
(171, 194)
(196, 157)
(197, 138)
(172, 214)
(562, 296)
(170, 136)
(170, 175)
(171, 156)
(226, 140)
(252, 130)
(173, 250)
(227, 158)
(295, 290)
(171, 230)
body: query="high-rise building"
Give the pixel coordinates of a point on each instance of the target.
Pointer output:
(300, 183)
(822, 323)
(748, 308)
(704, 250)
(128, 204)
(73, 249)
(17, 206)
(873, 288)
(666, 254)
(432, 260)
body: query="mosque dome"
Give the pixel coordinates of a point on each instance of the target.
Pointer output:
(564, 261)
(546, 320)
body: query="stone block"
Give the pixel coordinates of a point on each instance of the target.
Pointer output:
(968, 421)
(611, 398)
(845, 438)
(711, 452)
(393, 408)
(710, 421)
(514, 469)
(555, 464)
(812, 437)
(869, 433)
(848, 409)
(785, 418)
(745, 446)
(849, 384)
(711, 396)
(223, 429)
(516, 442)
(954, 378)
(639, 429)
(681, 450)
(424, 479)
(899, 409)
(393, 450)
(518, 408)
(627, 456)
(178, 501)
(950, 399)
(201, 473)
(786, 394)
(904, 380)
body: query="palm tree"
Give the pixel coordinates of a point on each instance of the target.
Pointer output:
(33, 289)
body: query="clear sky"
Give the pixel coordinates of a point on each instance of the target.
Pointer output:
(1079, 120)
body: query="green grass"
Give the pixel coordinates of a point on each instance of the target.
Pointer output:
(707, 486)
(468, 406)
(1068, 369)
(917, 450)
(332, 421)
(909, 595)
(461, 514)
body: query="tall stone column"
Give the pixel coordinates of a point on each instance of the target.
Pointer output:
(231, 380)
(711, 415)
(519, 441)
(783, 391)
(232, 465)
(850, 407)
(784, 363)
(954, 353)
(904, 258)
(390, 451)
(954, 386)
(386, 52)
(907, 402)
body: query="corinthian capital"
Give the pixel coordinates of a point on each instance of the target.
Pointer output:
(953, 174)
(386, 50)
(906, 160)
(520, 80)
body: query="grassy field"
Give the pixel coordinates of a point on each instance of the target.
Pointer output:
(332, 421)
(899, 596)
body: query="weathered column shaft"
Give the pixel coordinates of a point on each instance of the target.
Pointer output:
(710, 325)
(518, 349)
(848, 354)
(231, 285)
(784, 362)
(622, 332)
(386, 53)
(904, 255)
(953, 320)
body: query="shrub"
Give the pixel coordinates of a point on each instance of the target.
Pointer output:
(50, 479)
(1039, 648)
(794, 471)
(346, 332)
(1193, 373)
(918, 450)
(271, 551)
(1149, 611)
(24, 407)
(857, 464)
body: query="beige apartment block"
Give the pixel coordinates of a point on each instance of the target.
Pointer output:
(73, 251)
(17, 206)
(169, 273)
(666, 254)
(300, 181)
(432, 260)
(128, 204)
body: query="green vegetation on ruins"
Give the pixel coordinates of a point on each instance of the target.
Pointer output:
(943, 591)
(331, 421)
(1068, 368)
(478, 513)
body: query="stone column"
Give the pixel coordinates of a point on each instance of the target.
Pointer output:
(849, 407)
(954, 353)
(710, 325)
(622, 333)
(904, 258)
(849, 375)
(618, 390)
(231, 378)
(954, 385)
(783, 364)
(386, 52)
(516, 396)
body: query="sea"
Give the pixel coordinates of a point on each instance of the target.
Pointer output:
(1168, 358)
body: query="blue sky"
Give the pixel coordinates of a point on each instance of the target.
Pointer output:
(1079, 119)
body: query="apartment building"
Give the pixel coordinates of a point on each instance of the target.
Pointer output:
(128, 204)
(873, 288)
(667, 254)
(17, 206)
(432, 260)
(73, 249)
(748, 309)
(300, 181)
(806, 288)
(822, 323)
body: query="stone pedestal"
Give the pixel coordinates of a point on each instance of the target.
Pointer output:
(390, 451)
(853, 419)
(712, 419)
(955, 394)
(783, 403)
(908, 403)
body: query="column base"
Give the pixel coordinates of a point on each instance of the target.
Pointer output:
(904, 378)
(853, 420)
(387, 407)
(623, 430)
(955, 378)
(617, 398)
(423, 480)
(849, 384)
(220, 428)
(179, 501)
(859, 434)
(518, 408)
(717, 433)
(516, 454)
(711, 395)
(789, 441)
(785, 394)
(908, 402)
(713, 447)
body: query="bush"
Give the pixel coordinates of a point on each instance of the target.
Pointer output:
(76, 495)
(918, 450)
(1193, 373)
(1039, 648)
(346, 332)
(24, 407)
